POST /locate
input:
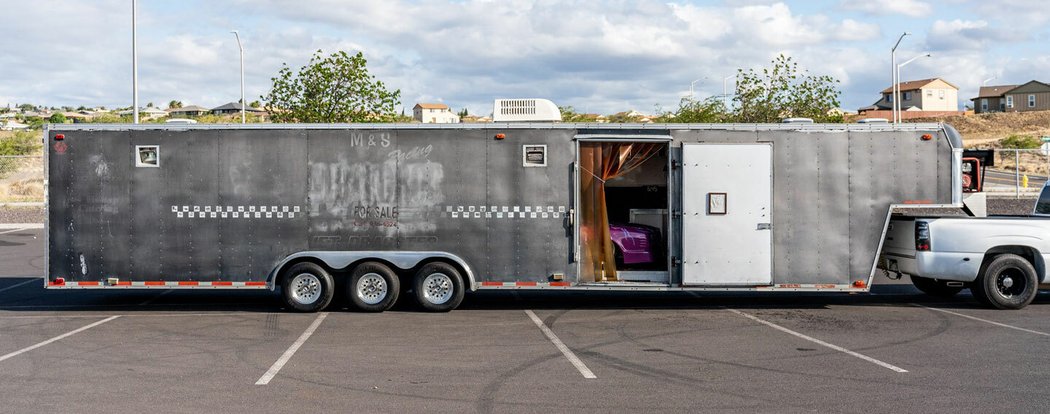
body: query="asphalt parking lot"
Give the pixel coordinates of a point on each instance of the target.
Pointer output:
(177, 351)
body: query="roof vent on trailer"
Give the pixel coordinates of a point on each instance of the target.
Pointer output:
(525, 110)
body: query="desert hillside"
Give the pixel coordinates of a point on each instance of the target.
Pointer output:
(985, 130)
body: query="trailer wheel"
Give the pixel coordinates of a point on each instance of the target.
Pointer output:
(933, 287)
(373, 287)
(1008, 282)
(438, 287)
(307, 287)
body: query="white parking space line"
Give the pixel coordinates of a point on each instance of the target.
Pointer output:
(20, 284)
(13, 231)
(57, 338)
(983, 320)
(586, 372)
(819, 342)
(276, 367)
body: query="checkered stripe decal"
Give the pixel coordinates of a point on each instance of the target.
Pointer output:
(236, 212)
(498, 212)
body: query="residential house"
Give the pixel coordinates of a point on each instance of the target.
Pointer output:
(991, 99)
(434, 113)
(924, 97)
(1031, 96)
(12, 125)
(146, 113)
(235, 108)
(189, 111)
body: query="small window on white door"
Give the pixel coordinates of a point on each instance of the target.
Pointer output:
(984, 104)
(1009, 101)
(1031, 101)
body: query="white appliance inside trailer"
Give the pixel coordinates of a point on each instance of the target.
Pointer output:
(727, 214)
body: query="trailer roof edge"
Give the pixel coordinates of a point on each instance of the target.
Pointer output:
(500, 125)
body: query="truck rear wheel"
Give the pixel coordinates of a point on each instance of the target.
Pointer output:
(307, 287)
(934, 287)
(1008, 282)
(373, 287)
(438, 287)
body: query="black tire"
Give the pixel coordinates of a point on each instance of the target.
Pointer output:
(373, 287)
(1008, 282)
(934, 287)
(307, 287)
(438, 287)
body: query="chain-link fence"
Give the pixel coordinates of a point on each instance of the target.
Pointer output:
(1017, 173)
(21, 179)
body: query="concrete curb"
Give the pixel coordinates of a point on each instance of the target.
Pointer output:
(9, 226)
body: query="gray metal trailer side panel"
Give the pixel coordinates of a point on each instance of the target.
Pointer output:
(272, 192)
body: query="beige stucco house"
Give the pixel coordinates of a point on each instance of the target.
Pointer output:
(923, 95)
(434, 113)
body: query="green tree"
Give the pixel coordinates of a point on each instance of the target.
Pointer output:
(174, 104)
(255, 104)
(26, 107)
(785, 91)
(57, 118)
(569, 114)
(334, 88)
(462, 113)
(710, 110)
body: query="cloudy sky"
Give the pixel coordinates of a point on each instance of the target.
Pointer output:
(599, 56)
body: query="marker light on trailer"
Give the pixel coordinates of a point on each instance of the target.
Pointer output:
(59, 137)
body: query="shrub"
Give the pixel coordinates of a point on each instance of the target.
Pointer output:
(1020, 142)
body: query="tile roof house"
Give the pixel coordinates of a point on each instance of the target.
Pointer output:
(189, 110)
(235, 108)
(991, 99)
(923, 95)
(434, 113)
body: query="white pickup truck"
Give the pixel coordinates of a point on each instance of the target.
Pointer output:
(1001, 259)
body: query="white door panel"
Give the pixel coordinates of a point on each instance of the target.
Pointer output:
(727, 214)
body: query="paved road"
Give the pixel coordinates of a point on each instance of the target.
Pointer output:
(999, 178)
(179, 351)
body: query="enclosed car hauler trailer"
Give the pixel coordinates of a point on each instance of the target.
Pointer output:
(437, 210)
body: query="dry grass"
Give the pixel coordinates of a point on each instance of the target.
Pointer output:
(985, 130)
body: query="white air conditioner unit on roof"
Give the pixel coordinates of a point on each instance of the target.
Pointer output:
(525, 110)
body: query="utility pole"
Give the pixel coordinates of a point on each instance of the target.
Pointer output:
(134, 61)
(241, 49)
(896, 82)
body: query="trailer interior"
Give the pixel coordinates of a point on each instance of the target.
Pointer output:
(623, 204)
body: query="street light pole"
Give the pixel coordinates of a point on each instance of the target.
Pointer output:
(691, 84)
(725, 91)
(134, 62)
(241, 49)
(893, 74)
(898, 73)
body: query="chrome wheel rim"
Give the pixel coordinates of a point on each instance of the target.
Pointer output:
(437, 288)
(371, 288)
(305, 288)
(1010, 283)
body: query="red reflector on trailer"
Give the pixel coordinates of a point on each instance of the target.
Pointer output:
(927, 137)
(59, 137)
(859, 284)
(501, 136)
(60, 280)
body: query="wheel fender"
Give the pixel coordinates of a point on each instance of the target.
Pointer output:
(402, 259)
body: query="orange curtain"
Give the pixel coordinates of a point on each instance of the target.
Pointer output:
(600, 162)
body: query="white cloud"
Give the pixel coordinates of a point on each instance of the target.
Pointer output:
(966, 34)
(910, 8)
(601, 56)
